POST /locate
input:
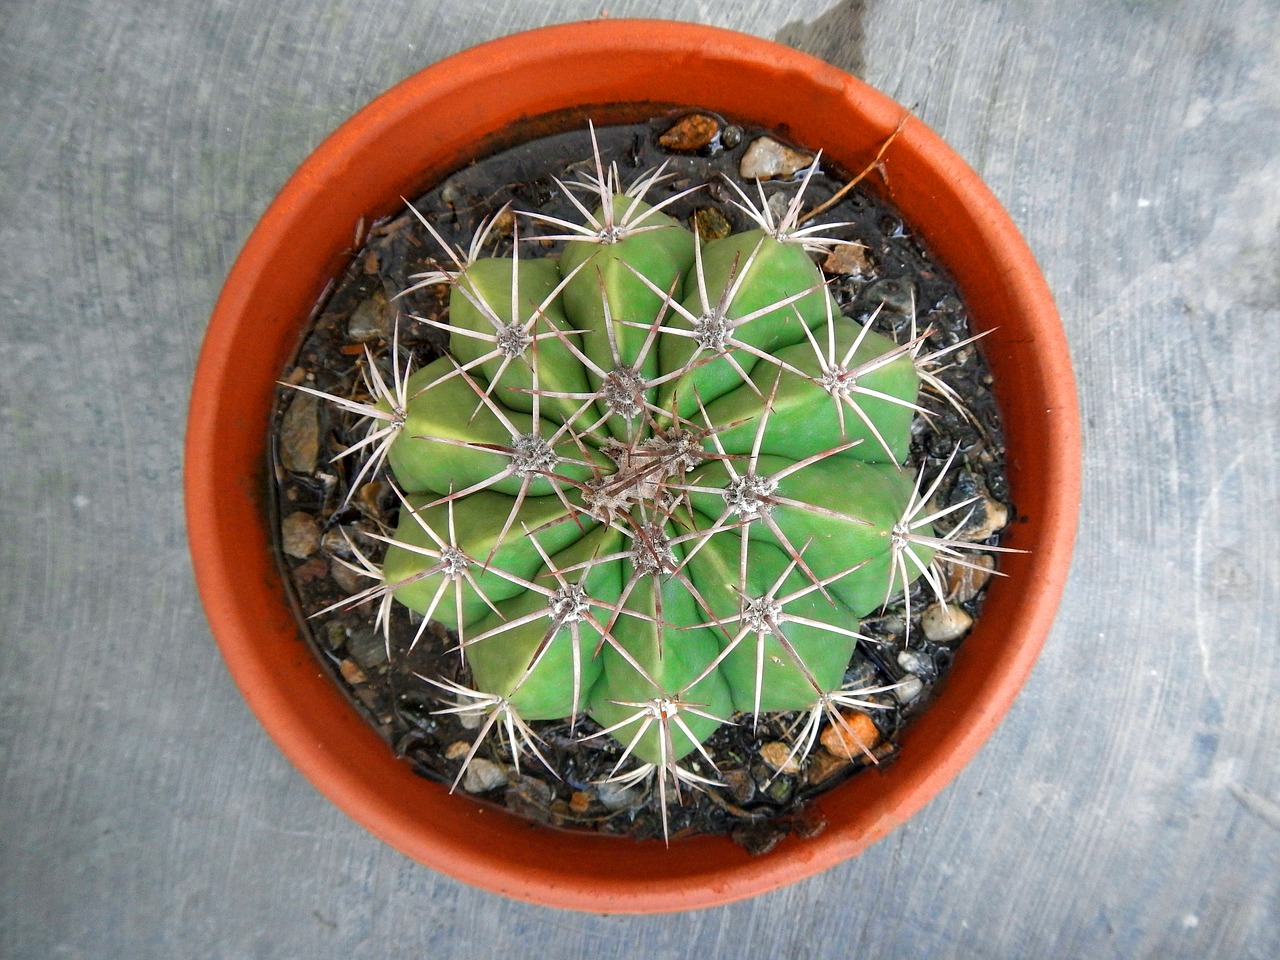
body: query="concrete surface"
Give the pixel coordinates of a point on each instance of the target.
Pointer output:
(1129, 806)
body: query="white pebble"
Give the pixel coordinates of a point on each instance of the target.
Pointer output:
(483, 775)
(991, 518)
(945, 622)
(766, 159)
(912, 662)
(615, 797)
(908, 688)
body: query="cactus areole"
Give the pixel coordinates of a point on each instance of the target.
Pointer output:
(670, 530)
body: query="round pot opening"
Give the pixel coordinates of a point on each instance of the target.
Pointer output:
(339, 498)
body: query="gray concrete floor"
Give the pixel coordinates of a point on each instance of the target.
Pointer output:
(1128, 807)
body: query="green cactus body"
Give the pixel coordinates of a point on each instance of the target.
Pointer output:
(456, 552)
(533, 643)
(517, 302)
(624, 518)
(614, 306)
(454, 441)
(806, 417)
(834, 515)
(759, 272)
(662, 654)
(781, 668)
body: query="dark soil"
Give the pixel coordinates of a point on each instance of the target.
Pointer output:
(758, 804)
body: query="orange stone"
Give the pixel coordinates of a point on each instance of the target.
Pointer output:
(778, 756)
(854, 738)
(848, 258)
(351, 672)
(691, 133)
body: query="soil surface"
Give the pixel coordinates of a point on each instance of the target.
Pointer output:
(883, 276)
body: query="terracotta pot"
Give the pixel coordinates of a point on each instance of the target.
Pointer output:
(421, 130)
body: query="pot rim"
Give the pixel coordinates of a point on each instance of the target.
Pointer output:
(412, 135)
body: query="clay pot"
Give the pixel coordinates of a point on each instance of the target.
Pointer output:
(409, 138)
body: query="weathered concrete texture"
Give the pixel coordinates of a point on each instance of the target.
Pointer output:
(1127, 808)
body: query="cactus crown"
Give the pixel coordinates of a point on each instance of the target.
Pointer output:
(652, 481)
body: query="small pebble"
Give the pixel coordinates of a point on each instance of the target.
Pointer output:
(300, 433)
(848, 258)
(349, 581)
(314, 570)
(532, 791)
(452, 194)
(908, 688)
(767, 159)
(892, 623)
(504, 222)
(579, 802)
(778, 203)
(778, 756)
(853, 738)
(351, 672)
(732, 136)
(483, 775)
(299, 535)
(913, 662)
(335, 543)
(456, 750)
(989, 517)
(370, 320)
(945, 622)
(690, 133)
(741, 787)
(780, 790)
(335, 635)
(367, 497)
(368, 649)
(615, 797)
(964, 581)
(823, 766)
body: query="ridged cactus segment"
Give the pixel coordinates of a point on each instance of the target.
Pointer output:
(507, 321)
(660, 251)
(844, 383)
(653, 483)
(456, 437)
(834, 516)
(782, 637)
(749, 295)
(454, 559)
(656, 693)
(528, 645)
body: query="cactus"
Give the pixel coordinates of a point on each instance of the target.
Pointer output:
(652, 481)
